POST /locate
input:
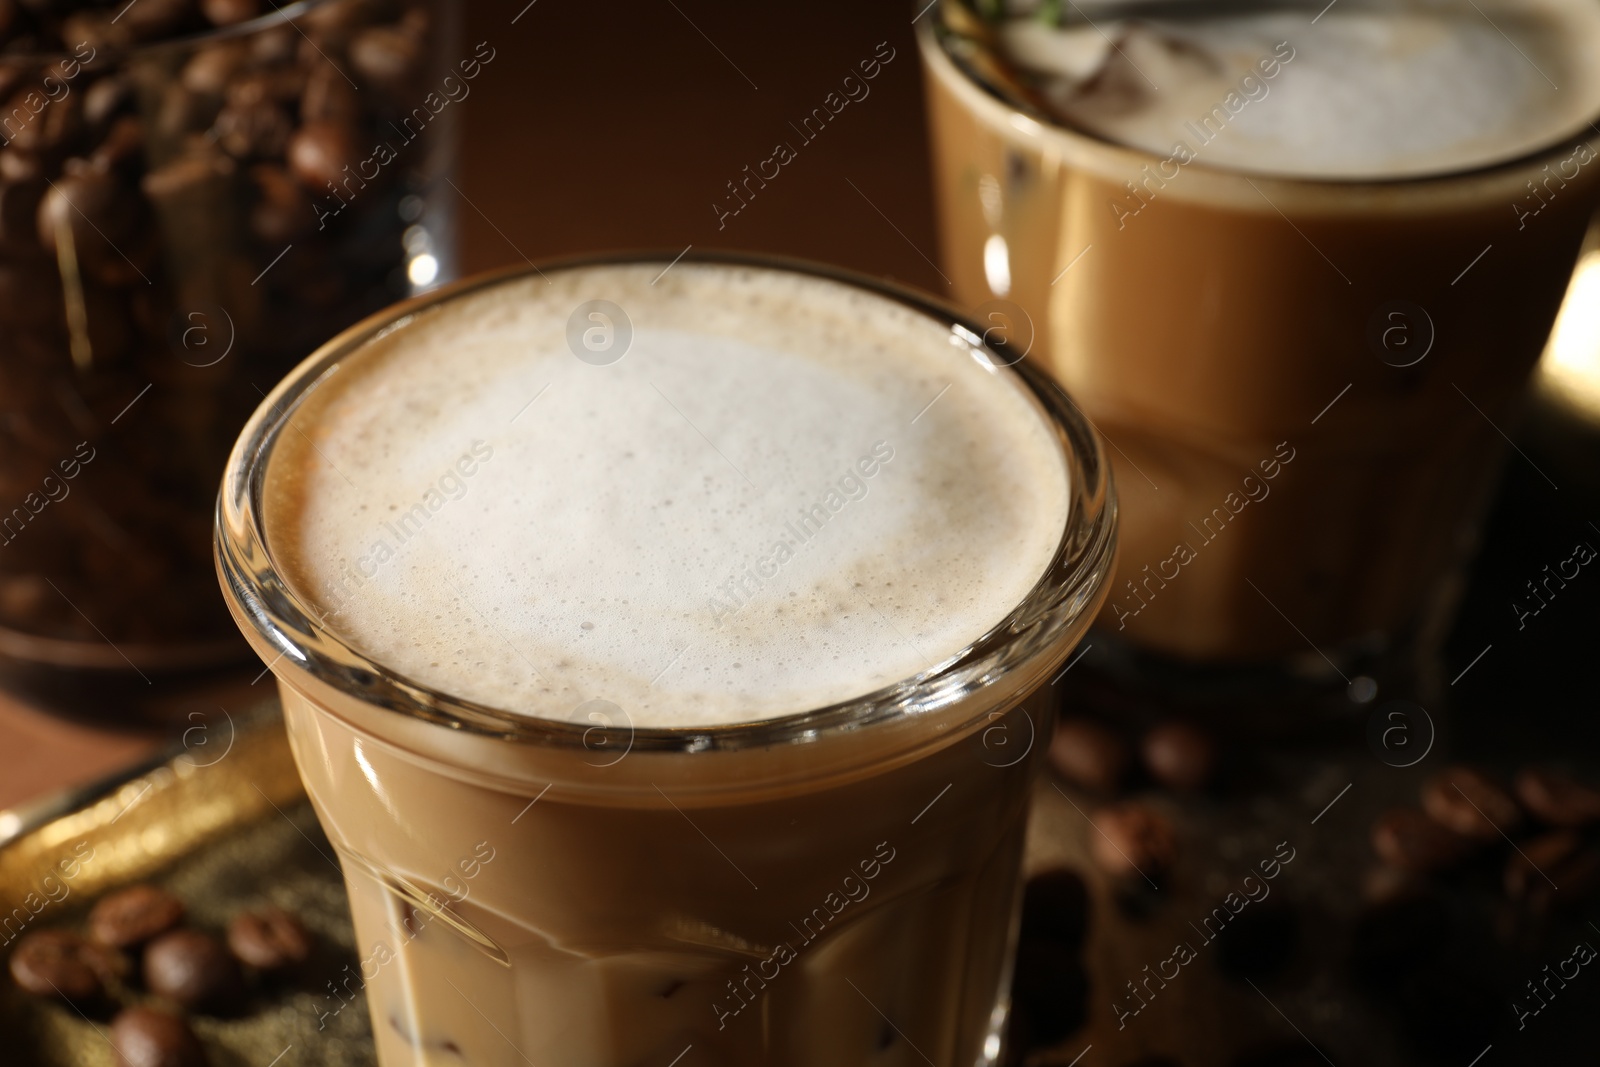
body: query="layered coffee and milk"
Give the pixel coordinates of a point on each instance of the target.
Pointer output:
(1296, 261)
(688, 503)
(1369, 91)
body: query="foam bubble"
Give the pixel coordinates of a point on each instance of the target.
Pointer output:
(786, 493)
(1406, 90)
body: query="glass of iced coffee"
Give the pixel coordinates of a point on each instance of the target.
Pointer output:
(1296, 261)
(666, 651)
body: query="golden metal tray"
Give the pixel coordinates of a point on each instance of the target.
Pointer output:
(224, 823)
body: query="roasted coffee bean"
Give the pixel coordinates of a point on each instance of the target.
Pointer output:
(335, 20)
(152, 19)
(99, 30)
(210, 69)
(228, 12)
(194, 969)
(1055, 909)
(280, 86)
(329, 97)
(22, 595)
(319, 153)
(18, 166)
(1132, 840)
(269, 939)
(55, 963)
(1470, 804)
(386, 57)
(275, 45)
(1179, 756)
(255, 131)
(104, 98)
(145, 1037)
(8, 16)
(1410, 840)
(1088, 755)
(36, 123)
(134, 915)
(1556, 799)
(282, 211)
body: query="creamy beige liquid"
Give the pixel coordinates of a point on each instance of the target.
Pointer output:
(788, 493)
(1366, 91)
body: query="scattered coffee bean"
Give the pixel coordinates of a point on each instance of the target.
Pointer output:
(1179, 756)
(1055, 909)
(228, 12)
(194, 969)
(56, 963)
(1410, 840)
(145, 1037)
(270, 939)
(1470, 804)
(134, 915)
(1132, 840)
(1088, 755)
(1556, 799)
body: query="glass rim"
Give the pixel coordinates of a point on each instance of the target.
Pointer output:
(939, 61)
(275, 616)
(278, 16)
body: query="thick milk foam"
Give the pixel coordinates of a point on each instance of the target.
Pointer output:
(787, 493)
(1405, 89)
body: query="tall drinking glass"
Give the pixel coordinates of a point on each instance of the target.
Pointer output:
(596, 801)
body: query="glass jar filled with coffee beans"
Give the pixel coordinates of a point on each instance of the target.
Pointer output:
(194, 194)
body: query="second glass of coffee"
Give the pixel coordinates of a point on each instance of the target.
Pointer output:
(1296, 267)
(662, 649)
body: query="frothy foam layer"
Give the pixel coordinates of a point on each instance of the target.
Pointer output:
(787, 493)
(1405, 90)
